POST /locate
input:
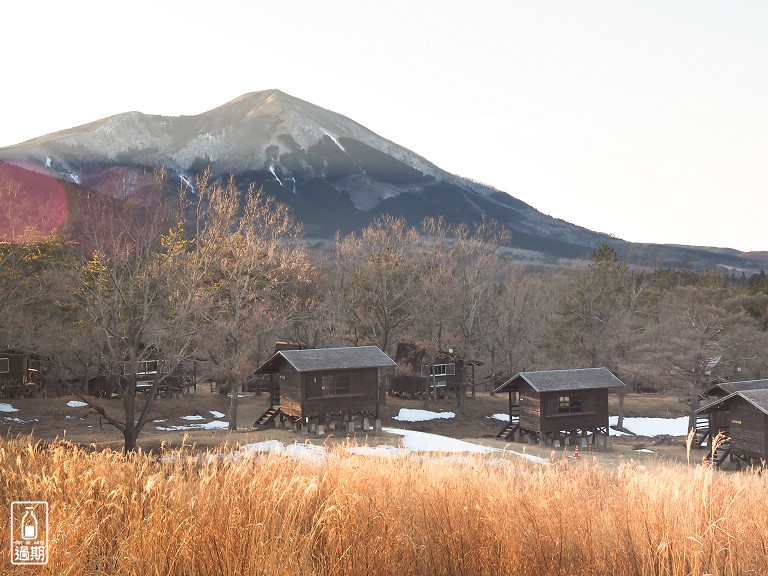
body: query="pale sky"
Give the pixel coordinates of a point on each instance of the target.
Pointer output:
(647, 120)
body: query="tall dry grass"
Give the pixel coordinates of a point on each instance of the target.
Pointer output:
(347, 514)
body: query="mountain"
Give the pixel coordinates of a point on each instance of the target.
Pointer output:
(334, 173)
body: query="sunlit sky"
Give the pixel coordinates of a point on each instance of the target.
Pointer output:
(647, 120)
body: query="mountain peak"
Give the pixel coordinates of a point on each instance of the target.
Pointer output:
(335, 174)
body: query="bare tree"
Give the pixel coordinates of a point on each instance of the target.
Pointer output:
(139, 284)
(255, 283)
(525, 299)
(602, 315)
(471, 270)
(380, 281)
(708, 336)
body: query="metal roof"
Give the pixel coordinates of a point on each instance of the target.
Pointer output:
(318, 359)
(562, 380)
(758, 398)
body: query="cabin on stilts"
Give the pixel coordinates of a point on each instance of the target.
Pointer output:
(21, 373)
(738, 426)
(554, 406)
(321, 389)
(447, 372)
(710, 423)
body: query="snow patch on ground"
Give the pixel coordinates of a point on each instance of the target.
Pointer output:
(216, 414)
(415, 415)
(412, 442)
(8, 419)
(76, 404)
(653, 426)
(301, 452)
(213, 425)
(639, 426)
(380, 450)
(4, 407)
(193, 417)
(423, 442)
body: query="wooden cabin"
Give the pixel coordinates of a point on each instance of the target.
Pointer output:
(325, 387)
(263, 382)
(742, 417)
(181, 382)
(709, 424)
(21, 373)
(448, 372)
(559, 405)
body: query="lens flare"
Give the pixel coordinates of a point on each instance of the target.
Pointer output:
(33, 204)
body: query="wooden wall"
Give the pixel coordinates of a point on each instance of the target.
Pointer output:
(593, 414)
(748, 429)
(17, 367)
(530, 410)
(290, 391)
(300, 395)
(719, 419)
(539, 412)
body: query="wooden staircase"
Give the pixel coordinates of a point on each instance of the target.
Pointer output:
(267, 418)
(722, 452)
(508, 432)
(703, 432)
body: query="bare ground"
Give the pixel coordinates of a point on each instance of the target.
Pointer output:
(51, 419)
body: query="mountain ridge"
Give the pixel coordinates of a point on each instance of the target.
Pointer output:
(333, 172)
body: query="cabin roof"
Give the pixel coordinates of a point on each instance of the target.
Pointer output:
(319, 359)
(415, 355)
(725, 388)
(561, 380)
(758, 398)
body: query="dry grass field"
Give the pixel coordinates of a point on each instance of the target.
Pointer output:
(221, 513)
(191, 504)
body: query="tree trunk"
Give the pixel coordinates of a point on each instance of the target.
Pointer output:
(128, 398)
(695, 402)
(233, 405)
(130, 439)
(620, 425)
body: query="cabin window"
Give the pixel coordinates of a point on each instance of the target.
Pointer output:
(569, 404)
(337, 385)
(334, 385)
(143, 367)
(439, 370)
(4, 366)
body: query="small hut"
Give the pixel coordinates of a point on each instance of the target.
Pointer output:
(325, 387)
(551, 406)
(447, 372)
(711, 422)
(742, 418)
(21, 373)
(152, 367)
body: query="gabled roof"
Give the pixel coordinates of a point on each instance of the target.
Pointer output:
(562, 380)
(725, 388)
(758, 398)
(415, 355)
(319, 359)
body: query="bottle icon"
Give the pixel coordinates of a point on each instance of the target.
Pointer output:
(29, 524)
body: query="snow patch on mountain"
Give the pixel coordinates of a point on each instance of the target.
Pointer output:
(272, 169)
(336, 141)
